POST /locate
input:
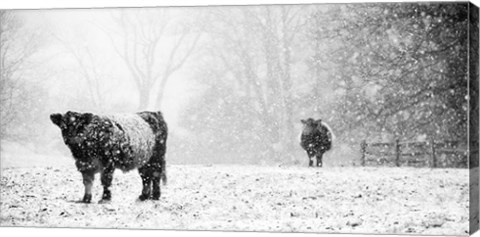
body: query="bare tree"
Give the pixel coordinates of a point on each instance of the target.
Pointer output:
(396, 66)
(277, 28)
(17, 46)
(153, 46)
(254, 47)
(90, 69)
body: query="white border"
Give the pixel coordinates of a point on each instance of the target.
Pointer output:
(47, 4)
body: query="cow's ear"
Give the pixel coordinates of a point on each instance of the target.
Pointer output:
(57, 119)
(303, 121)
(87, 118)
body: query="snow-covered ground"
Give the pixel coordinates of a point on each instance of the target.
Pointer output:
(248, 198)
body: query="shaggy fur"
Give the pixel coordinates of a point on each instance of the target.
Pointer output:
(316, 139)
(103, 143)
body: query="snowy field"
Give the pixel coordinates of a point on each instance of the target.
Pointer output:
(248, 198)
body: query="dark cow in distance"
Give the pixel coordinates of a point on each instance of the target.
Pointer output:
(103, 143)
(316, 139)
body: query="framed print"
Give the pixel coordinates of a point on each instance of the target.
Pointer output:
(356, 118)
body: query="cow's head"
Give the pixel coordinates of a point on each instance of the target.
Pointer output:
(72, 125)
(309, 125)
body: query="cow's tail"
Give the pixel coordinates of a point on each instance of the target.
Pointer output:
(163, 175)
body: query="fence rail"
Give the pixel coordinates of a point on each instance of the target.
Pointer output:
(413, 153)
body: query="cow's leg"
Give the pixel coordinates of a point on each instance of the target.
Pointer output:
(156, 171)
(106, 178)
(164, 170)
(319, 159)
(311, 155)
(156, 193)
(146, 181)
(88, 177)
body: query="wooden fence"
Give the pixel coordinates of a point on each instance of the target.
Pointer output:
(419, 154)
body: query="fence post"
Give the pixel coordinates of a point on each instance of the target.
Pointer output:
(397, 152)
(363, 148)
(434, 157)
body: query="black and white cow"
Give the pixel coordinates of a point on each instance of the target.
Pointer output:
(316, 139)
(103, 143)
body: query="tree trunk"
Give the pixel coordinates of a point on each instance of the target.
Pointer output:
(144, 99)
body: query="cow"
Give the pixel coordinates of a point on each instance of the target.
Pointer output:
(316, 139)
(103, 143)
